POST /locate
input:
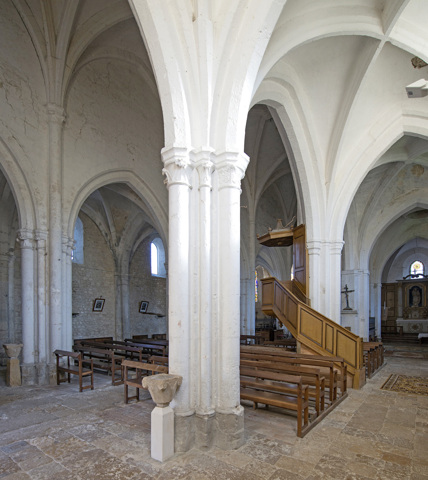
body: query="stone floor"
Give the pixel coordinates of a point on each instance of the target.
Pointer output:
(58, 433)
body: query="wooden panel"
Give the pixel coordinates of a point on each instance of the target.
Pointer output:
(346, 348)
(311, 327)
(291, 312)
(299, 258)
(267, 293)
(329, 338)
(389, 296)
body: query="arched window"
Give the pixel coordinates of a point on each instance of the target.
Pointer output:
(417, 269)
(77, 253)
(157, 257)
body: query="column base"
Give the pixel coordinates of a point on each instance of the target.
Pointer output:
(38, 374)
(222, 430)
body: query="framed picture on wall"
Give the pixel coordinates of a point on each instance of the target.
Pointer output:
(98, 305)
(144, 306)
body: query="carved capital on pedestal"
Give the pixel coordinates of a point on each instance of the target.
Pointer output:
(13, 349)
(178, 168)
(162, 387)
(231, 168)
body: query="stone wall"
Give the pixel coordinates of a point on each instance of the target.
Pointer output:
(93, 279)
(144, 286)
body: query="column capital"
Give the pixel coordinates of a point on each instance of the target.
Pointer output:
(25, 237)
(336, 247)
(231, 168)
(56, 113)
(41, 237)
(314, 247)
(178, 167)
(205, 169)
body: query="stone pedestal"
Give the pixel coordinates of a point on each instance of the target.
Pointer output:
(13, 372)
(162, 388)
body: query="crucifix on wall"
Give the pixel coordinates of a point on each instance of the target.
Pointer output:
(346, 291)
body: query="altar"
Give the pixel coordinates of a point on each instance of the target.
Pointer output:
(412, 298)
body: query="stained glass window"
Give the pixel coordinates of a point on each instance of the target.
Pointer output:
(256, 286)
(417, 268)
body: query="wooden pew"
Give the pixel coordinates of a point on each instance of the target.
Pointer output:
(93, 339)
(373, 356)
(120, 348)
(104, 359)
(250, 340)
(310, 377)
(289, 344)
(150, 347)
(136, 381)
(73, 369)
(279, 390)
(158, 360)
(332, 365)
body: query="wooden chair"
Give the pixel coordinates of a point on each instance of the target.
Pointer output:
(71, 368)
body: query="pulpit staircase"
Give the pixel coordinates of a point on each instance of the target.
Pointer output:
(314, 332)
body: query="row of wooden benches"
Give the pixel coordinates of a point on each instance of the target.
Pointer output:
(75, 364)
(309, 385)
(373, 357)
(107, 354)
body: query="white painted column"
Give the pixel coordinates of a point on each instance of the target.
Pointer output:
(27, 306)
(43, 331)
(230, 170)
(333, 307)
(123, 300)
(11, 297)
(205, 168)
(178, 171)
(314, 260)
(251, 299)
(364, 304)
(379, 311)
(56, 120)
(67, 336)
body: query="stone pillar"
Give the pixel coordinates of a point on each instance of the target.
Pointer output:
(11, 295)
(4, 286)
(251, 295)
(56, 118)
(230, 171)
(67, 329)
(364, 304)
(123, 325)
(178, 171)
(333, 306)
(42, 321)
(314, 259)
(205, 404)
(25, 238)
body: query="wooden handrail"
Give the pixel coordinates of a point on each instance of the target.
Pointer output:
(312, 329)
